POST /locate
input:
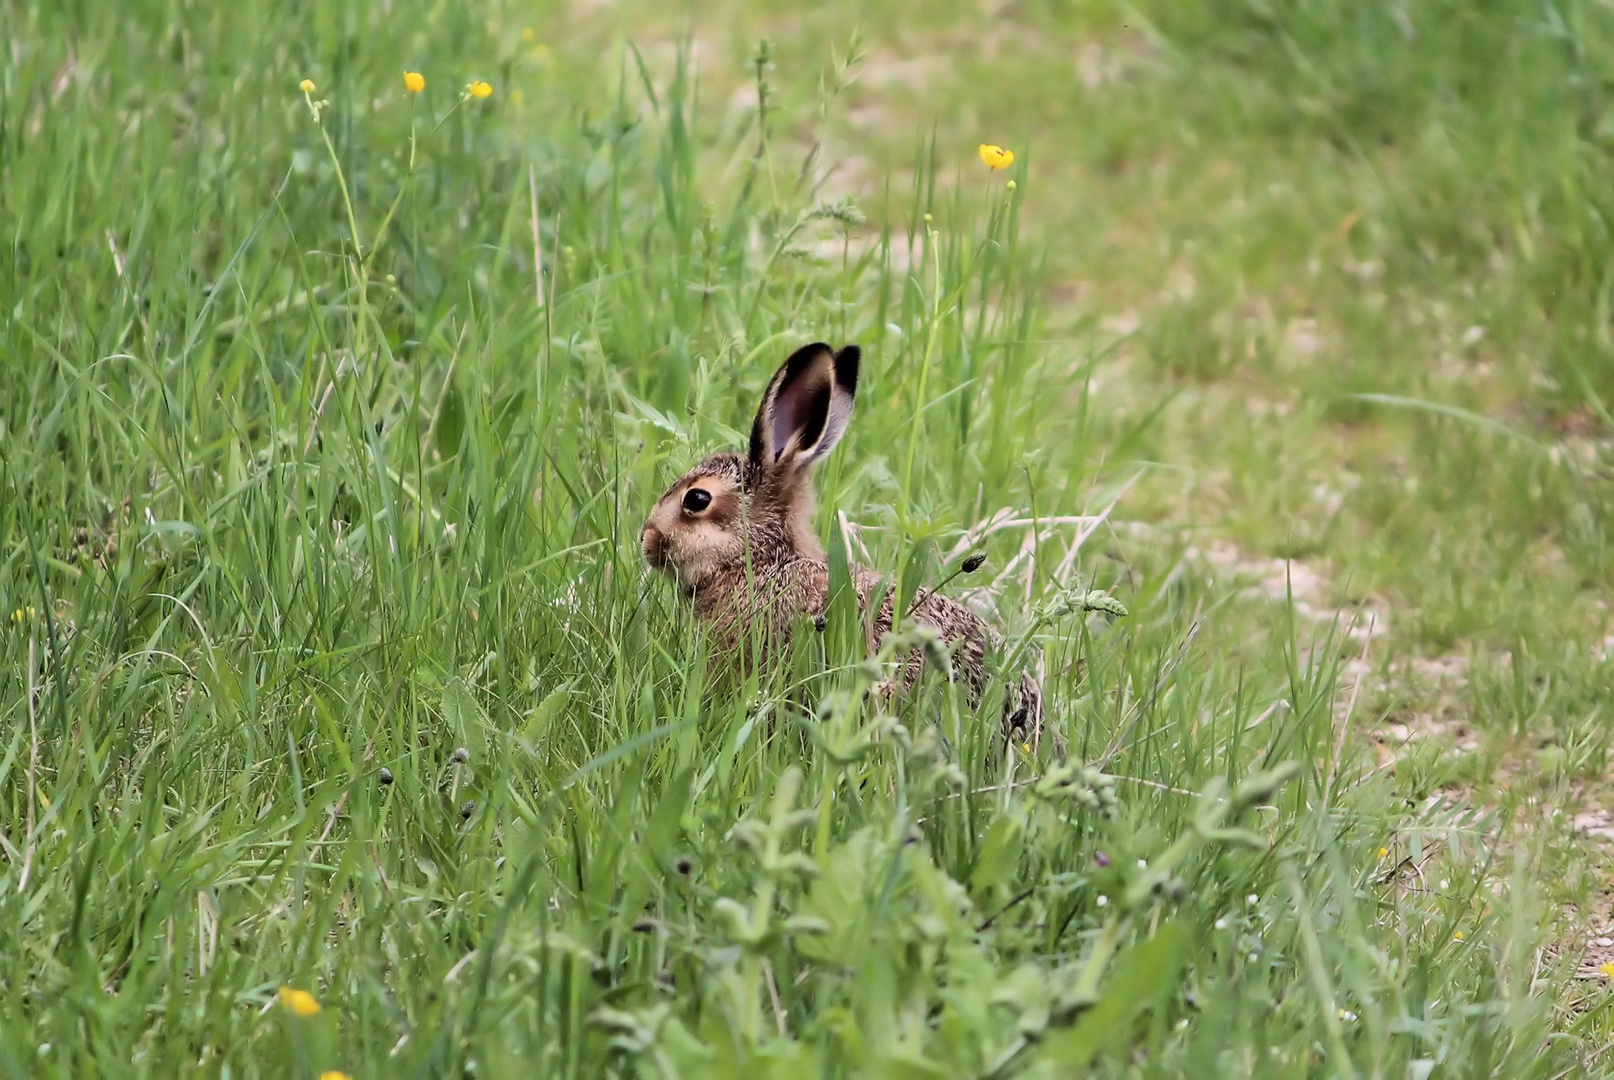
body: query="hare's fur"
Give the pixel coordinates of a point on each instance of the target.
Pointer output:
(736, 533)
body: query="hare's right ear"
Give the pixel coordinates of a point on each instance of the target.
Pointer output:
(805, 410)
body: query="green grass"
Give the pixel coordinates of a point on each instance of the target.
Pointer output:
(324, 461)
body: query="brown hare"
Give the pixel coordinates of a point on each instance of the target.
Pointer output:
(736, 533)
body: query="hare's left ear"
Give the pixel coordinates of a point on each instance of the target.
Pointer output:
(805, 410)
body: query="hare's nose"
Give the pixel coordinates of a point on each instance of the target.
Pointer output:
(650, 541)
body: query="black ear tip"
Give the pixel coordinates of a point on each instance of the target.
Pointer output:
(803, 360)
(846, 364)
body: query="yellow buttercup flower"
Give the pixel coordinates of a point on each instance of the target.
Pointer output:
(414, 82)
(1607, 968)
(24, 614)
(480, 89)
(332, 1074)
(300, 1002)
(1458, 936)
(1383, 851)
(996, 157)
(306, 86)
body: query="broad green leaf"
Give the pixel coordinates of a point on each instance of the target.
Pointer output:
(998, 857)
(1142, 978)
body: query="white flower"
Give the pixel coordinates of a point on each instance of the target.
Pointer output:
(1221, 924)
(1103, 901)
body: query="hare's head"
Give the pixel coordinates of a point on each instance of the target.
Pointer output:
(758, 506)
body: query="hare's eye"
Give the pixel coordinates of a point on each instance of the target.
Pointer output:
(697, 499)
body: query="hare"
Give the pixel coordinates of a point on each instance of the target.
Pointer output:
(736, 533)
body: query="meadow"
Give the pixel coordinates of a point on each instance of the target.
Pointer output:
(345, 733)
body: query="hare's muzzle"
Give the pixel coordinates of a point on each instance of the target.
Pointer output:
(654, 546)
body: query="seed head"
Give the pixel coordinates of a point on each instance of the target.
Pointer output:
(461, 755)
(1097, 601)
(385, 776)
(933, 647)
(974, 562)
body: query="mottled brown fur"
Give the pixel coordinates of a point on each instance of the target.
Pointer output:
(748, 552)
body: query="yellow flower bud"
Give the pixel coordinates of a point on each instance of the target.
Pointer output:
(306, 86)
(300, 1002)
(480, 89)
(414, 82)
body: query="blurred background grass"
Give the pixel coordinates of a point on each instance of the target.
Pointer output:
(1309, 298)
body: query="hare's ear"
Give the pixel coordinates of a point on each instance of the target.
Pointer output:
(806, 408)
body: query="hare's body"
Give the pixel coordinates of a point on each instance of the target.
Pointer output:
(781, 597)
(736, 533)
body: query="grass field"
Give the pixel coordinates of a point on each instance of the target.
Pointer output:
(342, 728)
